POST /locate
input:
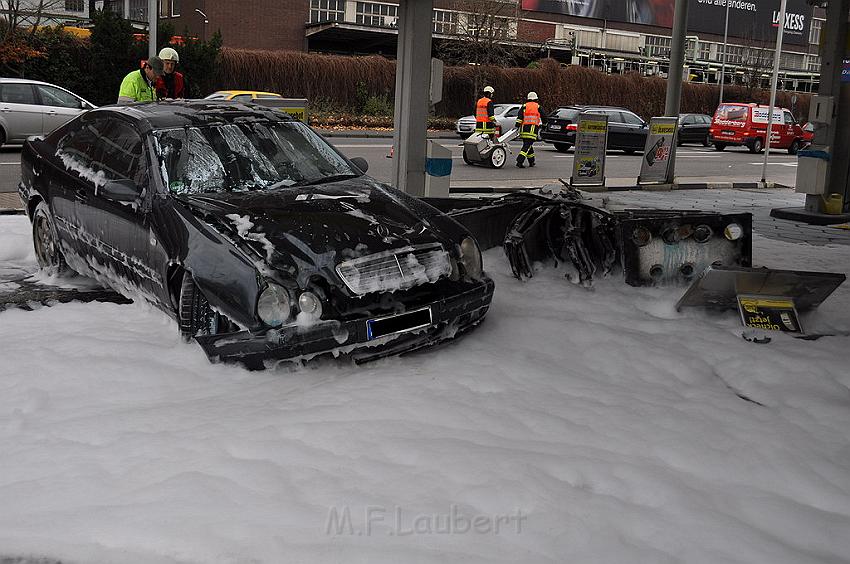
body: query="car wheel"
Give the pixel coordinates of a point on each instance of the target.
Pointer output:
(795, 146)
(498, 157)
(46, 242)
(562, 147)
(195, 316)
(706, 141)
(757, 146)
(720, 146)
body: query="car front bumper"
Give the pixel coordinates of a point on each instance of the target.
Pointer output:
(450, 317)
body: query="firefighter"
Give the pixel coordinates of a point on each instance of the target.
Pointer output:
(528, 121)
(485, 119)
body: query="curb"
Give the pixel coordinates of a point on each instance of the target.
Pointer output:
(651, 188)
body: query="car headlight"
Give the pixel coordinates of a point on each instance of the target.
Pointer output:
(274, 306)
(470, 258)
(310, 304)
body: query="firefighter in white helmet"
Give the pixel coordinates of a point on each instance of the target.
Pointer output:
(171, 84)
(528, 121)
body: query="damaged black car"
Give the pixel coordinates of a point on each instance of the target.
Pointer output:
(255, 234)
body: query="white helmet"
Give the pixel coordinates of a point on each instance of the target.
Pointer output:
(532, 95)
(169, 54)
(489, 89)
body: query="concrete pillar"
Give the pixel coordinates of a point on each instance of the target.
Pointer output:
(412, 87)
(836, 135)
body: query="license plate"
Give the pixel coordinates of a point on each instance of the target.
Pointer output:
(554, 127)
(727, 133)
(401, 323)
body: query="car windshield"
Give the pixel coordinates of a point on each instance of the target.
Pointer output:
(566, 113)
(251, 155)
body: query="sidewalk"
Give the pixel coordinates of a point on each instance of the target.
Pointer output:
(381, 134)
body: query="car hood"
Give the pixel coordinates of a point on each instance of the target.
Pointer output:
(309, 230)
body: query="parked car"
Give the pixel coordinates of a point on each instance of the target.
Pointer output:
(626, 130)
(746, 125)
(241, 95)
(505, 120)
(693, 128)
(30, 107)
(255, 234)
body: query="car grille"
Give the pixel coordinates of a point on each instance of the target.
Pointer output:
(398, 269)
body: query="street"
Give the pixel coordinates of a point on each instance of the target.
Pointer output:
(694, 163)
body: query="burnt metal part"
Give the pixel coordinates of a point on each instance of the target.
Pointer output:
(29, 292)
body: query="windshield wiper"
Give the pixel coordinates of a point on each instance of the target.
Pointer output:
(326, 179)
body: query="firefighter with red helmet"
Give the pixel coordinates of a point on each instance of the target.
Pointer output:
(528, 121)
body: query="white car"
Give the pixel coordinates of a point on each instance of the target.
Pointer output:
(505, 116)
(30, 107)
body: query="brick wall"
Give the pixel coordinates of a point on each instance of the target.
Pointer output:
(535, 31)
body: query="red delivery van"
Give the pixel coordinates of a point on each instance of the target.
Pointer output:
(746, 125)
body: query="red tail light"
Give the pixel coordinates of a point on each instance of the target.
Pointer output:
(572, 127)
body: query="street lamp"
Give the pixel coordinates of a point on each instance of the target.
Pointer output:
(206, 21)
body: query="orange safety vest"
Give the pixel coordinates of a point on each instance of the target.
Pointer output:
(484, 122)
(530, 120)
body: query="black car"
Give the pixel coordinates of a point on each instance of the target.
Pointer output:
(626, 130)
(693, 128)
(254, 233)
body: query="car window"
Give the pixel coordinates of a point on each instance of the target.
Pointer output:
(242, 98)
(630, 118)
(52, 96)
(17, 94)
(122, 156)
(80, 151)
(216, 96)
(246, 156)
(688, 120)
(614, 116)
(732, 113)
(513, 112)
(789, 119)
(268, 96)
(566, 113)
(706, 120)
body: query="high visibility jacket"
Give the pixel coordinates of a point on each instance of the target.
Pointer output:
(136, 88)
(529, 120)
(485, 119)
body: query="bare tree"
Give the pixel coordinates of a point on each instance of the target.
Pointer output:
(481, 34)
(19, 22)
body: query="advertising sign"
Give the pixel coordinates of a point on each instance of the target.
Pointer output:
(770, 314)
(658, 153)
(753, 19)
(589, 158)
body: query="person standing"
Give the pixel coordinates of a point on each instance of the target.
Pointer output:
(485, 118)
(528, 121)
(138, 85)
(172, 84)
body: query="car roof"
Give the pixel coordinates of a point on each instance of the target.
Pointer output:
(584, 107)
(26, 81)
(252, 92)
(166, 115)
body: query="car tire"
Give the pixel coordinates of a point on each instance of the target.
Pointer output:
(795, 146)
(562, 147)
(757, 145)
(498, 157)
(719, 146)
(706, 141)
(45, 240)
(195, 316)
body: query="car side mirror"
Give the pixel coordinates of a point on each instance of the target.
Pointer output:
(360, 163)
(123, 190)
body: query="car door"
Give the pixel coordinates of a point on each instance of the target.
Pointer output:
(507, 120)
(58, 107)
(616, 128)
(687, 128)
(20, 112)
(634, 131)
(789, 130)
(121, 228)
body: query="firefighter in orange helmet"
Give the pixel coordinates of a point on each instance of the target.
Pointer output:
(528, 121)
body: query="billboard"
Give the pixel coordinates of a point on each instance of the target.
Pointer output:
(751, 19)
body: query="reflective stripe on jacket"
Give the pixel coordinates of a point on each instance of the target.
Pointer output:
(529, 120)
(136, 88)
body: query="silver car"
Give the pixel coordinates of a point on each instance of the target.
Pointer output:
(30, 107)
(505, 116)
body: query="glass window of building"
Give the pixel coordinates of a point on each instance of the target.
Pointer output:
(373, 13)
(74, 6)
(445, 22)
(327, 10)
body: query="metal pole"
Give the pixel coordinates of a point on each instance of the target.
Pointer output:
(725, 47)
(677, 59)
(152, 17)
(775, 78)
(674, 75)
